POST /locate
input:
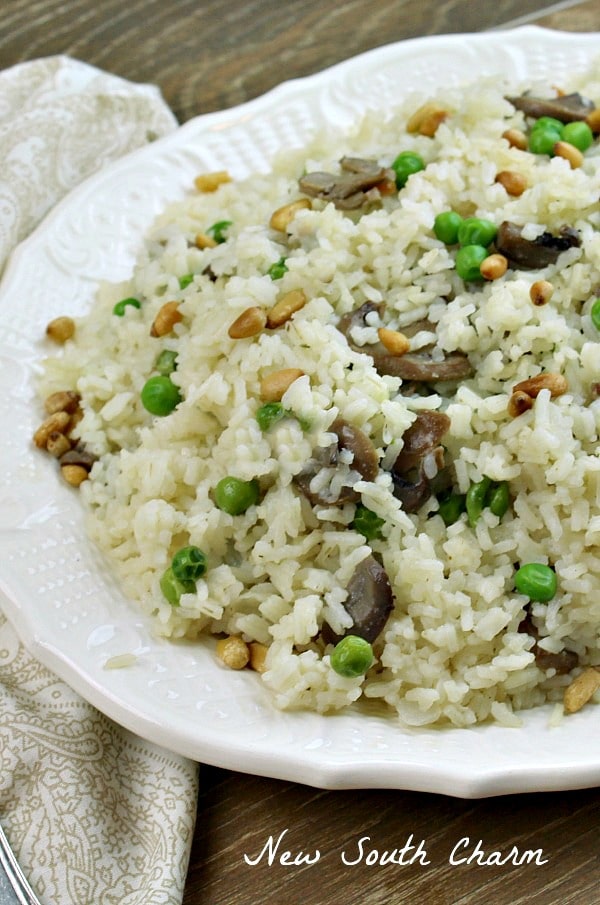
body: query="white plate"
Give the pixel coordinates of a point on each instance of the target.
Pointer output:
(60, 595)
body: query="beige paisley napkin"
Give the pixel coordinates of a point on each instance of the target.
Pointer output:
(61, 120)
(95, 815)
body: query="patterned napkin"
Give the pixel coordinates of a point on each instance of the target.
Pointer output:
(95, 815)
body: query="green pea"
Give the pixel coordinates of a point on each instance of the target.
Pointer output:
(218, 230)
(186, 280)
(277, 270)
(351, 657)
(235, 496)
(595, 314)
(405, 165)
(445, 227)
(469, 260)
(188, 564)
(476, 231)
(498, 499)
(546, 123)
(173, 588)
(367, 523)
(451, 507)
(120, 307)
(160, 395)
(578, 134)
(536, 581)
(475, 500)
(542, 140)
(269, 414)
(166, 362)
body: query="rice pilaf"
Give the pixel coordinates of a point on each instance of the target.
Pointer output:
(459, 643)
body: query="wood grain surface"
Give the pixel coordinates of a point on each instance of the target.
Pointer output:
(217, 53)
(236, 817)
(212, 54)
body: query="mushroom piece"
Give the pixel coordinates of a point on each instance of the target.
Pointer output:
(370, 601)
(411, 493)
(567, 108)
(420, 460)
(534, 253)
(422, 368)
(365, 462)
(562, 662)
(78, 456)
(414, 366)
(424, 435)
(324, 457)
(354, 186)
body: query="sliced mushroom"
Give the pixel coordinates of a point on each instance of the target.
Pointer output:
(567, 108)
(415, 366)
(365, 462)
(534, 253)
(424, 435)
(358, 318)
(78, 456)
(411, 493)
(350, 189)
(421, 367)
(562, 662)
(420, 460)
(324, 457)
(369, 602)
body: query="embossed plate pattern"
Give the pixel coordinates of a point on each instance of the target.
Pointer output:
(59, 593)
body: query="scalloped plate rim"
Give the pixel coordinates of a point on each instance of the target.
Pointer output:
(302, 766)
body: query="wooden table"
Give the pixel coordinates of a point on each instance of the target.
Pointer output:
(209, 54)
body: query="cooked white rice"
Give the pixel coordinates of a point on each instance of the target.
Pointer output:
(451, 651)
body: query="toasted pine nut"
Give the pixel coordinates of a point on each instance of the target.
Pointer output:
(203, 241)
(166, 318)
(56, 422)
(556, 383)
(283, 216)
(74, 474)
(593, 120)
(61, 329)
(427, 119)
(387, 187)
(274, 386)
(581, 690)
(540, 292)
(249, 323)
(62, 401)
(287, 305)
(518, 403)
(233, 651)
(514, 183)
(58, 444)
(210, 182)
(493, 267)
(516, 139)
(395, 342)
(258, 655)
(76, 417)
(569, 152)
